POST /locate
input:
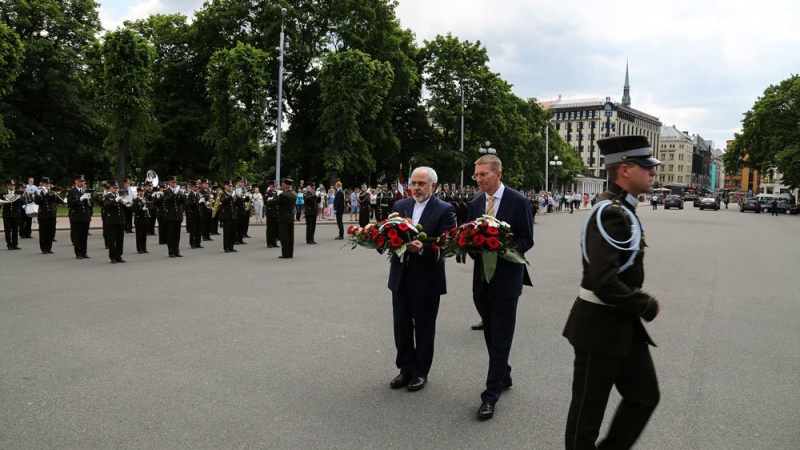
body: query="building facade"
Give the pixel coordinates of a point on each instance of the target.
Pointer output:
(675, 150)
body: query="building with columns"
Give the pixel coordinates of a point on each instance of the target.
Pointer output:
(581, 122)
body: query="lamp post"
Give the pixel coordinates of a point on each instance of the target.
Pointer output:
(462, 134)
(556, 164)
(547, 154)
(486, 149)
(281, 51)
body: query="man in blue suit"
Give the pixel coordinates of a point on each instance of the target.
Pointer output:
(417, 280)
(338, 206)
(496, 301)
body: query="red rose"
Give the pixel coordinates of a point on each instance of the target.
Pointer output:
(493, 243)
(462, 241)
(475, 231)
(478, 239)
(485, 224)
(392, 233)
(380, 241)
(352, 230)
(375, 233)
(396, 242)
(492, 231)
(402, 226)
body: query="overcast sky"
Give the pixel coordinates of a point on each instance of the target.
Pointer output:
(696, 64)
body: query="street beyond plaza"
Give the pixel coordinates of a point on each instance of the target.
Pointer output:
(220, 351)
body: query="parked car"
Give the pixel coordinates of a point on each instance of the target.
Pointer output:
(673, 201)
(696, 202)
(750, 204)
(783, 207)
(795, 209)
(709, 203)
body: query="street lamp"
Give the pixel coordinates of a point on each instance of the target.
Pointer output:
(556, 164)
(486, 149)
(462, 134)
(281, 51)
(547, 154)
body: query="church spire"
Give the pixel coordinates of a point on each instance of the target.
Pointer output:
(626, 91)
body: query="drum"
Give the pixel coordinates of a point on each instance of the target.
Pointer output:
(31, 209)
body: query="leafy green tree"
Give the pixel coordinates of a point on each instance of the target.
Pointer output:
(770, 134)
(127, 94)
(56, 128)
(237, 85)
(11, 57)
(353, 88)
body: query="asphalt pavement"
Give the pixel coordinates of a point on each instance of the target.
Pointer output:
(246, 350)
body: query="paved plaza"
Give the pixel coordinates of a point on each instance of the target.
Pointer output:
(246, 350)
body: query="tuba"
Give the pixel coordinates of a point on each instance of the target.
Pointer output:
(152, 177)
(215, 208)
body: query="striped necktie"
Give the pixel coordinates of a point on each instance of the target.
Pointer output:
(490, 207)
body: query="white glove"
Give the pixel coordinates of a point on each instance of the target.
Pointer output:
(85, 197)
(249, 195)
(119, 199)
(202, 201)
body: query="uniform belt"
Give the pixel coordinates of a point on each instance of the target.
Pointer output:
(591, 297)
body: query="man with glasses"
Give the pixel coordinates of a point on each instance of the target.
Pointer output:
(417, 281)
(496, 301)
(605, 324)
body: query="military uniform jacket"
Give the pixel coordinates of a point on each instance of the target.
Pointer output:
(193, 205)
(225, 209)
(79, 210)
(271, 203)
(286, 209)
(140, 208)
(310, 202)
(363, 201)
(12, 210)
(48, 204)
(113, 210)
(173, 205)
(609, 329)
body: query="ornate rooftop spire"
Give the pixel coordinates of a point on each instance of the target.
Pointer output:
(626, 92)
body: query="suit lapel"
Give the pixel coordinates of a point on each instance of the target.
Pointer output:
(427, 211)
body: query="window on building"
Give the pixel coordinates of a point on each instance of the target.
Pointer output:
(672, 156)
(671, 167)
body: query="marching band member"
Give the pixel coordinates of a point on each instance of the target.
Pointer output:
(174, 201)
(130, 194)
(195, 206)
(12, 212)
(141, 220)
(227, 215)
(79, 202)
(115, 222)
(48, 202)
(205, 222)
(270, 201)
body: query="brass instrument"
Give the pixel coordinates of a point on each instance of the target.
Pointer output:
(215, 208)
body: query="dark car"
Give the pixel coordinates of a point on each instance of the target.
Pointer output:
(750, 204)
(673, 201)
(783, 207)
(795, 209)
(709, 203)
(696, 202)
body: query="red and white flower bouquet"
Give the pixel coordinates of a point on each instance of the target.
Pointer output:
(389, 235)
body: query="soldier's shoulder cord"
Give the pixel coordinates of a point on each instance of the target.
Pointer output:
(630, 245)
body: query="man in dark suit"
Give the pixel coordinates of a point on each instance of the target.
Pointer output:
(226, 212)
(310, 202)
(496, 301)
(12, 212)
(286, 212)
(271, 207)
(173, 201)
(605, 324)
(115, 222)
(48, 203)
(195, 206)
(338, 206)
(417, 281)
(79, 202)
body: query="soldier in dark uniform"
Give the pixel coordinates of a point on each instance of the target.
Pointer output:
(79, 202)
(141, 220)
(12, 212)
(286, 211)
(25, 220)
(239, 211)
(244, 218)
(194, 213)
(605, 325)
(115, 222)
(174, 202)
(158, 205)
(383, 203)
(227, 215)
(392, 198)
(48, 202)
(378, 200)
(205, 222)
(103, 217)
(271, 207)
(310, 202)
(130, 194)
(364, 211)
(150, 199)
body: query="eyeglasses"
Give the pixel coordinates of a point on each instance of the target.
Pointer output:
(419, 183)
(482, 175)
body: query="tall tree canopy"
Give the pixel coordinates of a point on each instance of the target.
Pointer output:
(770, 134)
(11, 56)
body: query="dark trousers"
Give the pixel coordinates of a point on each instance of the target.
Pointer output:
(11, 227)
(194, 231)
(340, 222)
(272, 231)
(245, 223)
(141, 233)
(47, 231)
(79, 233)
(152, 225)
(205, 225)
(128, 220)
(298, 210)
(241, 223)
(414, 313)
(363, 216)
(228, 234)
(26, 226)
(499, 315)
(162, 230)
(594, 376)
(173, 236)
(116, 240)
(286, 233)
(106, 236)
(311, 227)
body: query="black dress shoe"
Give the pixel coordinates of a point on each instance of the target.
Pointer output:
(78, 256)
(113, 261)
(178, 255)
(400, 380)
(507, 383)
(50, 251)
(198, 246)
(140, 252)
(314, 242)
(120, 260)
(247, 235)
(477, 326)
(486, 411)
(234, 250)
(285, 257)
(55, 240)
(85, 256)
(416, 383)
(145, 251)
(172, 255)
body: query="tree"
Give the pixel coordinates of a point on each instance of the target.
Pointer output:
(237, 85)
(56, 129)
(770, 134)
(353, 89)
(11, 57)
(127, 94)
